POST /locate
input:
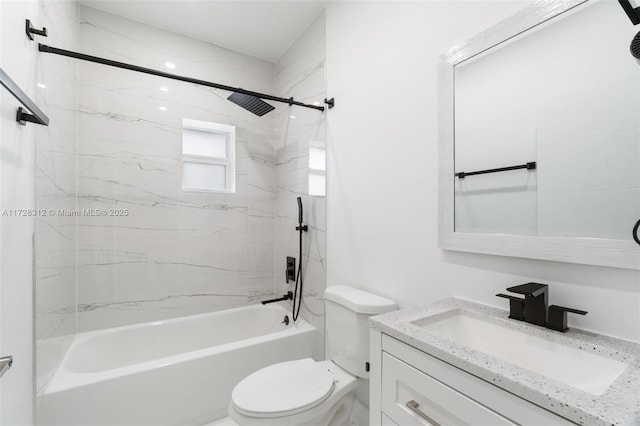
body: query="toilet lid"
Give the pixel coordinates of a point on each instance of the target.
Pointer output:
(283, 389)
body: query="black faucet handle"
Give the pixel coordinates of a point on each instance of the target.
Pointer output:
(529, 289)
(510, 297)
(516, 306)
(558, 317)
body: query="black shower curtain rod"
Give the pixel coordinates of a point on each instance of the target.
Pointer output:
(98, 60)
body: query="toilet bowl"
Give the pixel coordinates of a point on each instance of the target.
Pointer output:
(301, 392)
(309, 392)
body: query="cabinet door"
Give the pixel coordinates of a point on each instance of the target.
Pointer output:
(386, 421)
(411, 397)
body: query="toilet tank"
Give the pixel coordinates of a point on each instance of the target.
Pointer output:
(347, 329)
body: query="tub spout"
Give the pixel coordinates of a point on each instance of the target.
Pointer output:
(287, 296)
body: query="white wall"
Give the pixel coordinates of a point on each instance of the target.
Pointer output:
(18, 60)
(383, 169)
(33, 156)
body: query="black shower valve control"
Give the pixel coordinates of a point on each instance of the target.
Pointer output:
(291, 269)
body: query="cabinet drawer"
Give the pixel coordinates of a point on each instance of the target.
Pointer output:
(432, 402)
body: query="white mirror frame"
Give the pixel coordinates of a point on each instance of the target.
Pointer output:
(590, 251)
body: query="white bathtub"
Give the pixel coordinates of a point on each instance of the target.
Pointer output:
(174, 372)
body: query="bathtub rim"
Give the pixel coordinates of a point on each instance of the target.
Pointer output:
(92, 333)
(65, 379)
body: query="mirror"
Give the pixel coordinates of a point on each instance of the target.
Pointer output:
(540, 137)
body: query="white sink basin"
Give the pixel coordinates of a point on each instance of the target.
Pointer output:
(580, 369)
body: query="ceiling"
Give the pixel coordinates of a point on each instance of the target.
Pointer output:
(261, 28)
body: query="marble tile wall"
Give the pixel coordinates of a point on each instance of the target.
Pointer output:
(55, 190)
(169, 253)
(301, 73)
(174, 253)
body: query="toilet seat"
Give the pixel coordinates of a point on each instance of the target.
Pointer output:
(283, 389)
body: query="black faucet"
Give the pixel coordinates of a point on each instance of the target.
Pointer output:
(536, 301)
(534, 307)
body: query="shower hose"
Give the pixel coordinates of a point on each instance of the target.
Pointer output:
(297, 291)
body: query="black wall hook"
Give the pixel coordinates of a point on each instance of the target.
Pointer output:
(22, 117)
(36, 116)
(30, 30)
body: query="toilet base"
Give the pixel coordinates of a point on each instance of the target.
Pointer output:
(341, 414)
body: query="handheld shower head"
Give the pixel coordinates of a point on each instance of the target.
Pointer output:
(302, 228)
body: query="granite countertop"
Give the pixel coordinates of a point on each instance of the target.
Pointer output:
(619, 405)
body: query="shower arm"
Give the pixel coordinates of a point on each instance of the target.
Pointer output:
(290, 101)
(632, 12)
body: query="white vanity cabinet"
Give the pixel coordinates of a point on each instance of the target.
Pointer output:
(411, 387)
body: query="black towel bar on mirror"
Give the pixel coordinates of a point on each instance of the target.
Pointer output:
(22, 116)
(528, 166)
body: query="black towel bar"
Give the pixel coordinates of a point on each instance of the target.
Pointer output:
(528, 166)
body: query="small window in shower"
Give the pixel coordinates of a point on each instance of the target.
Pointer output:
(208, 156)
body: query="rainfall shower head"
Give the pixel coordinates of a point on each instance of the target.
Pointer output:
(251, 103)
(635, 46)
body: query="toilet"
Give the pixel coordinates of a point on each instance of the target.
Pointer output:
(309, 392)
